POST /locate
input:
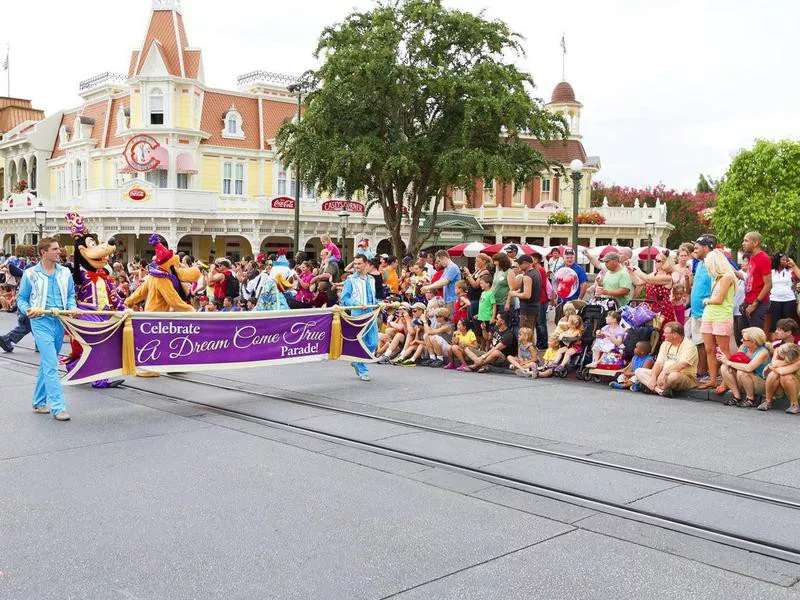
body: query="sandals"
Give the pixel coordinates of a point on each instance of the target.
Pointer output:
(765, 405)
(732, 401)
(793, 410)
(748, 403)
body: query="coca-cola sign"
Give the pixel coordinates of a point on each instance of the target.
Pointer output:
(137, 194)
(283, 202)
(337, 205)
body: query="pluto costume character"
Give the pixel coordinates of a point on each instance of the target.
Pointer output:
(161, 290)
(92, 289)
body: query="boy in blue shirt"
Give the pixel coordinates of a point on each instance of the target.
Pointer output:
(642, 359)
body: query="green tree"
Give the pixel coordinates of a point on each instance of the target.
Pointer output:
(761, 192)
(411, 100)
(703, 186)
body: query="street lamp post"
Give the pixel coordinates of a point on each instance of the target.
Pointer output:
(576, 166)
(297, 88)
(650, 229)
(40, 218)
(344, 218)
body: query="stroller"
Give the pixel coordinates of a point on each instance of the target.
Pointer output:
(593, 316)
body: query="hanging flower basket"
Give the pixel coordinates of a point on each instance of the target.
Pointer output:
(591, 217)
(20, 186)
(559, 218)
(26, 250)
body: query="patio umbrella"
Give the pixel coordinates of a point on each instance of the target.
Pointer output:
(580, 257)
(523, 248)
(601, 251)
(649, 252)
(469, 249)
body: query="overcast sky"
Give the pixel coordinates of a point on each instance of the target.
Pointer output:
(670, 88)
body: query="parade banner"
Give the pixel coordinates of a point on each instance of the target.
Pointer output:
(127, 342)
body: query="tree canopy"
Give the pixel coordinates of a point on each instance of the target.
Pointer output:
(411, 100)
(761, 192)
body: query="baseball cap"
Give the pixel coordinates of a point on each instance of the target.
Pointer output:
(611, 256)
(524, 259)
(569, 251)
(364, 242)
(512, 248)
(418, 306)
(706, 240)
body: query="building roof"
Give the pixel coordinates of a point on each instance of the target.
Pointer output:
(15, 111)
(452, 220)
(560, 151)
(562, 93)
(167, 31)
(215, 107)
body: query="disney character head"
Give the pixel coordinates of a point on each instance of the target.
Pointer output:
(90, 254)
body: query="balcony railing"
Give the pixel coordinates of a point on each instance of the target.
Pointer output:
(265, 77)
(98, 80)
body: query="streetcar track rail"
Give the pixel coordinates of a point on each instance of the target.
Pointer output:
(711, 533)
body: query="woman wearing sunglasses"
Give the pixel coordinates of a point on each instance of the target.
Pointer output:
(658, 287)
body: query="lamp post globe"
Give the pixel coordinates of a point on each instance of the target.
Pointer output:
(576, 166)
(344, 218)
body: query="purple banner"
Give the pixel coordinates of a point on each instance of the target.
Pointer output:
(164, 342)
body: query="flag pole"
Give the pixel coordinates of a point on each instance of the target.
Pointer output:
(8, 71)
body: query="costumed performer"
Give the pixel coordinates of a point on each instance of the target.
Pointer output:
(93, 291)
(47, 286)
(359, 290)
(161, 290)
(268, 295)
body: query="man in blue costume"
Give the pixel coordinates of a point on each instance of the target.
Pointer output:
(47, 286)
(359, 290)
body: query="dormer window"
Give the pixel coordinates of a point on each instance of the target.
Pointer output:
(156, 107)
(122, 120)
(63, 136)
(232, 124)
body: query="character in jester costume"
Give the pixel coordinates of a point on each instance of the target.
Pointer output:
(359, 290)
(161, 290)
(92, 288)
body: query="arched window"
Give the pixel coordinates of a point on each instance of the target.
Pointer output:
(232, 124)
(156, 107)
(77, 178)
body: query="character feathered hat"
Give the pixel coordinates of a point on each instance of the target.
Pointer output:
(163, 254)
(77, 225)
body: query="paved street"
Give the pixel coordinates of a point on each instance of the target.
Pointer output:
(144, 497)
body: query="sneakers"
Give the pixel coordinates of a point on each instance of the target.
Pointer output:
(435, 363)
(62, 416)
(409, 362)
(450, 365)
(461, 368)
(362, 378)
(42, 410)
(383, 360)
(522, 373)
(5, 344)
(616, 385)
(636, 387)
(425, 362)
(398, 360)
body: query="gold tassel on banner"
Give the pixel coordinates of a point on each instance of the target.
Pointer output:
(128, 354)
(335, 350)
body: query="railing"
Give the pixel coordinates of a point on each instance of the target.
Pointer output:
(265, 77)
(98, 80)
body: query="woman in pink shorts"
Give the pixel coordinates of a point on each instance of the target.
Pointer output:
(717, 323)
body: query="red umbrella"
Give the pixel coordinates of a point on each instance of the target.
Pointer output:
(601, 251)
(523, 248)
(649, 252)
(470, 249)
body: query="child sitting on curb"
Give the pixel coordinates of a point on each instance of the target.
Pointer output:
(524, 363)
(550, 358)
(642, 359)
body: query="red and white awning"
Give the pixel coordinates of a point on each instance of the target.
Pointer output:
(185, 163)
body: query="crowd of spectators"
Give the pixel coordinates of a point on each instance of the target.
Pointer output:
(720, 325)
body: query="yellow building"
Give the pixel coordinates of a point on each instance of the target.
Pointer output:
(218, 187)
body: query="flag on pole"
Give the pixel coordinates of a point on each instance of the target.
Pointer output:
(563, 45)
(5, 62)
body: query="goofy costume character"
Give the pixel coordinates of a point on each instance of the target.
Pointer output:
(359, 290)
(46, 291)
(92, 288)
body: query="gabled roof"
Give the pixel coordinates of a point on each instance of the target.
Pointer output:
(216, 106)
(166, 28)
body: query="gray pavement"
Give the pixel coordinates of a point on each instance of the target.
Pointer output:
(142, 497)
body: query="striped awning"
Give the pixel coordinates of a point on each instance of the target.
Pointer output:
(185, 163)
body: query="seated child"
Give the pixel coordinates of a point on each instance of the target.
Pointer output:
(438, 336)
(551, 357)
(642, 359)
(608, 339)
(786, 331)
(463, 338)
(524, 363)
(563, 323)
(783, 378)
(571, 340)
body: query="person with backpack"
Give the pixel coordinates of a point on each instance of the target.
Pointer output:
(225, 283)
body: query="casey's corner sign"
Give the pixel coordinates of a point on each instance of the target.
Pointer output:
(288, 203)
